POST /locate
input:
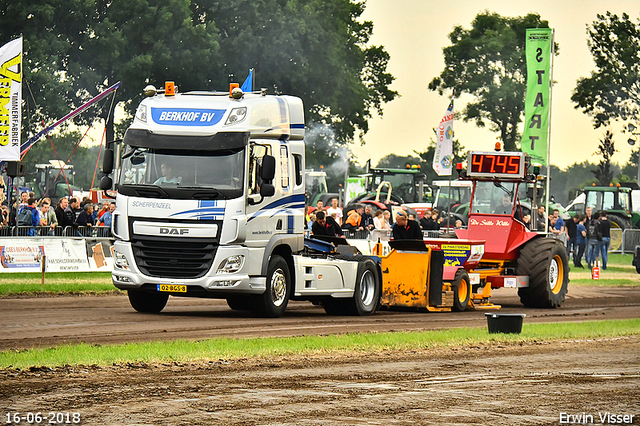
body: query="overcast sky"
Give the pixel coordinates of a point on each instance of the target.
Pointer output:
(414, 33)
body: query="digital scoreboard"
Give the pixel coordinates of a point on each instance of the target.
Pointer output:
(496, 164)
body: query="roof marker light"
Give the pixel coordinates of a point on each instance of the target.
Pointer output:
(233, 86)
(169, 88)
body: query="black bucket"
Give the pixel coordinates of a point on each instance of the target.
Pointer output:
(504, 323)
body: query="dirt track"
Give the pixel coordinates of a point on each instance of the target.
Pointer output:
(32, 322)
(518, 384)
(522, 384)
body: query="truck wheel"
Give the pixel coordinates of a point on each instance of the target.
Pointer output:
(366, 294)
(238, 303)
(461, 287)
(273, 302)
(546, 263)
(148, 302)
(618, 225)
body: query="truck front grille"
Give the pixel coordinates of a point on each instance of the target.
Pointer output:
(172, 259)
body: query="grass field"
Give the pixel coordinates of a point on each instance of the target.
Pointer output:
(224, 348)
(56, 283)
(620, 272)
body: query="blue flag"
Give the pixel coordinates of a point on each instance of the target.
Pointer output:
(247, 86)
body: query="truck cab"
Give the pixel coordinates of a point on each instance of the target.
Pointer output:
(210, 189)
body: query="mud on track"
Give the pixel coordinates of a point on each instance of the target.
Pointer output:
(526, 383)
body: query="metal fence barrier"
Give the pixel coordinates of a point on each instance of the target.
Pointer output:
(47, 231)
(630, 239)
(382, 234)
(385, 234)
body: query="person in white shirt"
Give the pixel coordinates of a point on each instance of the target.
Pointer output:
(335, 209)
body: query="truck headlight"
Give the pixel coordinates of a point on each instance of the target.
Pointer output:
(236, 115)
(231, 264)
(120, 260)
(141, 113)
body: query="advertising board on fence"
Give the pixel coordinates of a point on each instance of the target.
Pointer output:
(60, 254)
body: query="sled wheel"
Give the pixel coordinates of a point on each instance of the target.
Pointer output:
(461, 287)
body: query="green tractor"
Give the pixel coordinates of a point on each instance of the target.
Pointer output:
(618, 203)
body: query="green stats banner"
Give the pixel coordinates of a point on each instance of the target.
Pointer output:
(537, 103)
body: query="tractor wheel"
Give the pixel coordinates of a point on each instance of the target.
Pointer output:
(618, 225)
(461, 287)
(147, 302)
(546, 263)
(273, 302)
(239, 303)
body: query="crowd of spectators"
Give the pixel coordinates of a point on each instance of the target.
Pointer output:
(589, 236)
(334, 220)
(31, 217)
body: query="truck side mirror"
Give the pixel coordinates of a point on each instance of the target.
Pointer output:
(107, 162)
(106, 183)
(268, 169)
(137, 159)
(267, 190)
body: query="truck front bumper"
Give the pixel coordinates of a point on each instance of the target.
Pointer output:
(127, 276)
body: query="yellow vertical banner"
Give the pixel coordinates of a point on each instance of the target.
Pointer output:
(10, 100)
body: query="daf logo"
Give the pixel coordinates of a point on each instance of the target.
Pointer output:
(174, 231)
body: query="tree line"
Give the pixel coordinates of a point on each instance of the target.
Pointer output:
(565, 183)
(314, 49)
(487, 61)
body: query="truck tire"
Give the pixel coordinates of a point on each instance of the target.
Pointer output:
(461, 287)
(239, 303)
(273, 302)
(147, 302)
(618, 225)
(366, 294)
(546, 263)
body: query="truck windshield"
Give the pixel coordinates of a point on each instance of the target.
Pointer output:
(221, 171)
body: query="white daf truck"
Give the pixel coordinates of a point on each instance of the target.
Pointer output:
(210, 199)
